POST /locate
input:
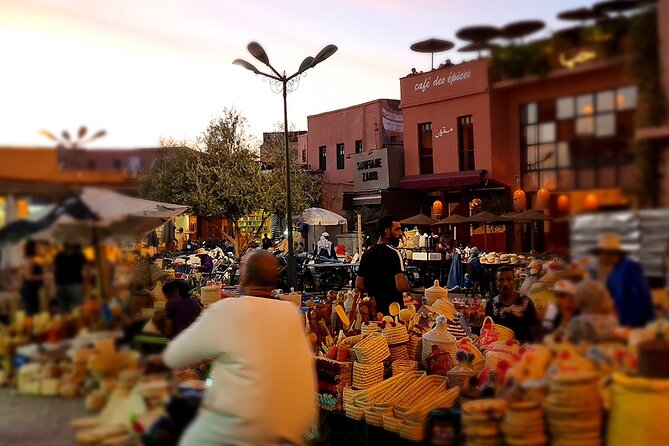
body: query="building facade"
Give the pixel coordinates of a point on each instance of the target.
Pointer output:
(338, 140)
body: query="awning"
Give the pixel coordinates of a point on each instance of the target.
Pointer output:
(454, 180)
(362, 200)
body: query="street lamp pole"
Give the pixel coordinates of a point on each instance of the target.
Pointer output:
(285, 84)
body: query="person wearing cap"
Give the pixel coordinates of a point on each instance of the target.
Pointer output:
(596, 320)
(563, 309)
(626, 282)
(535, 267)
(325, 248)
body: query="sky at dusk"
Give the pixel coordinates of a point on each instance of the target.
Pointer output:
(145, 69)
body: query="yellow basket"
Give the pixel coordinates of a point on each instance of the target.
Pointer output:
(366, 375)
(372, 349)
(404, 365)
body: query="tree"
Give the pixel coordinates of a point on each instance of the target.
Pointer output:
(222, 176)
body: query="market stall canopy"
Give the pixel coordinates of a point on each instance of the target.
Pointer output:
(98, 214)
(454, 219)
(478, 33)
(485, 217)
(517, 30)
(321, 217)
(119, 217)
(419, 220)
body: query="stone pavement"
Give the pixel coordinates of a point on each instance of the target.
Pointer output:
(36, 420)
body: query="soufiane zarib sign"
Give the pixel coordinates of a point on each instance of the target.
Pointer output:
(371, 170)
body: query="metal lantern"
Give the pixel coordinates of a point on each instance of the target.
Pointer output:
(563, 203)
(543, 198)
(437, 208)
(519, 200)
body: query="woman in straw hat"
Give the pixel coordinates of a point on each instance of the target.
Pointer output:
(626, 282)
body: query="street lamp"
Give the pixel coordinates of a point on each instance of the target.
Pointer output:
(281, 83)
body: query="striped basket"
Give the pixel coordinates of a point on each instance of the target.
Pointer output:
(424, 389)
(385, 402)
(395, 334)
(372, 349)
(398, 352)
(366, 397)
(366, 375)
(370, 327)
(492, 332)
(444, 307)
(441, 401)
(404, 365)
(391, 424)
(412, 431)
(415, 348)
(354, 412)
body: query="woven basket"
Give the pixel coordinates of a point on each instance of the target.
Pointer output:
(445, 308)
(441, 401)
(354, 412)
(396, 334)
(366, 375)
(460, 376)
(372, 349)
(386, 401)
(404, 365)
(415, 348)
(369, 328)
(492, 332)
(421, 389)
(412, 431)
(398, 352)
(391, 424)
(366, 397)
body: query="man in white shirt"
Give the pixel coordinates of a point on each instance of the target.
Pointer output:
(262, 388)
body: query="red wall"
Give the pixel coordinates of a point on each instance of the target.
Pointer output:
(441, 104)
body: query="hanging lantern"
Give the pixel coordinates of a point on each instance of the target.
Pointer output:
(563, 203)
(543, 198)
(475, 205)
(519, 199)
(591, 202)
(437, 208)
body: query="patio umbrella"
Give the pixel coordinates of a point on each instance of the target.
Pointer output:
(518, 30)
(454, 219)
(419, 220)
(478, 33)
(321, 217)
(432, 46)
(581, 15)
(534, 215)
(485, 218)
(618, 6)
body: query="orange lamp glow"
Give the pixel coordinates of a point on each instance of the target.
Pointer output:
(543, 198)
(591, 202)
(22, 208)
(519, 200)
(437, 208)
(563, 203)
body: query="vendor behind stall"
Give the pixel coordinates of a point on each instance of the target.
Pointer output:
(512, 310)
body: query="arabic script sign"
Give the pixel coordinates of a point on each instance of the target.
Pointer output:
(441, 132)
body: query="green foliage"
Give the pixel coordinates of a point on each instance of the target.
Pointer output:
(222, 176)
(644, 66)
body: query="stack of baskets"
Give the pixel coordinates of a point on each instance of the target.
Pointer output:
(385, 403)
(370, 353)
(415, 348)
(397, 337)
(412, 427)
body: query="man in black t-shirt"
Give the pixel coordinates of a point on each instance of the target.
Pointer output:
(69, 277)
(381, 271)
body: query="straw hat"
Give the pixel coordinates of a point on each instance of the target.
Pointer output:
(608, 242)
(504, 258)
(513, 258)
(201, 251)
